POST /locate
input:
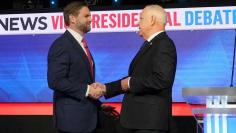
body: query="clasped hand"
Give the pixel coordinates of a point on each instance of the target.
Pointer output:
(96, 90)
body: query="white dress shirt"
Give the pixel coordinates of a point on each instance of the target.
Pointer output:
(79, 38)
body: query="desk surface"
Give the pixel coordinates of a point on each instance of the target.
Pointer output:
(199, 95)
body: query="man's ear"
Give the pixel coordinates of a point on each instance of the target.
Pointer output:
(153, 20)
(72, 18)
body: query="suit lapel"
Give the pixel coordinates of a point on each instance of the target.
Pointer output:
(81, 52)
(143, 50)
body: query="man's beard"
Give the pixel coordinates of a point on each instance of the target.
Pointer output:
(84, 28)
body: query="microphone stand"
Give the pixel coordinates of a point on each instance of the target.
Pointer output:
(232, 74)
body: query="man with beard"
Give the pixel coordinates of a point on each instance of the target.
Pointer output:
(71, 70)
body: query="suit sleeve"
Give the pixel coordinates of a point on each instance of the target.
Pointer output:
(113, 89)
(58, 69)
(163, 70)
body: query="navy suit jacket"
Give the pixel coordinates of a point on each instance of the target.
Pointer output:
(68, 75)
(148, 103)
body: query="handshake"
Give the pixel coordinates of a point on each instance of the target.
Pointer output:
(96, 90)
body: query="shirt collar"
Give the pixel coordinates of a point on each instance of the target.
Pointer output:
(76, 35)
(153, 35)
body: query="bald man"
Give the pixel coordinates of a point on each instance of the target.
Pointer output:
(146, 107)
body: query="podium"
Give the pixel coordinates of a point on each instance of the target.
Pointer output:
(214, 108)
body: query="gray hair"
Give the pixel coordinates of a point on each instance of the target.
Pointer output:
(159, 13)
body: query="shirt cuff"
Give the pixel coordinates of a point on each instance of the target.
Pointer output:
(87, 92)
(128, 82)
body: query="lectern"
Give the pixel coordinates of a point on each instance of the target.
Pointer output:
(214, 108)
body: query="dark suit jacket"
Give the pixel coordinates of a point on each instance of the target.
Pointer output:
(68, 75)
(148, 103)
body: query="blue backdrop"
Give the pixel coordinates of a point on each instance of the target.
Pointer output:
(204, 60)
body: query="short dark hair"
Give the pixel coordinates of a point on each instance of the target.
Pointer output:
(72, 9)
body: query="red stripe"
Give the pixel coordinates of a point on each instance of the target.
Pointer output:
(179, 109)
